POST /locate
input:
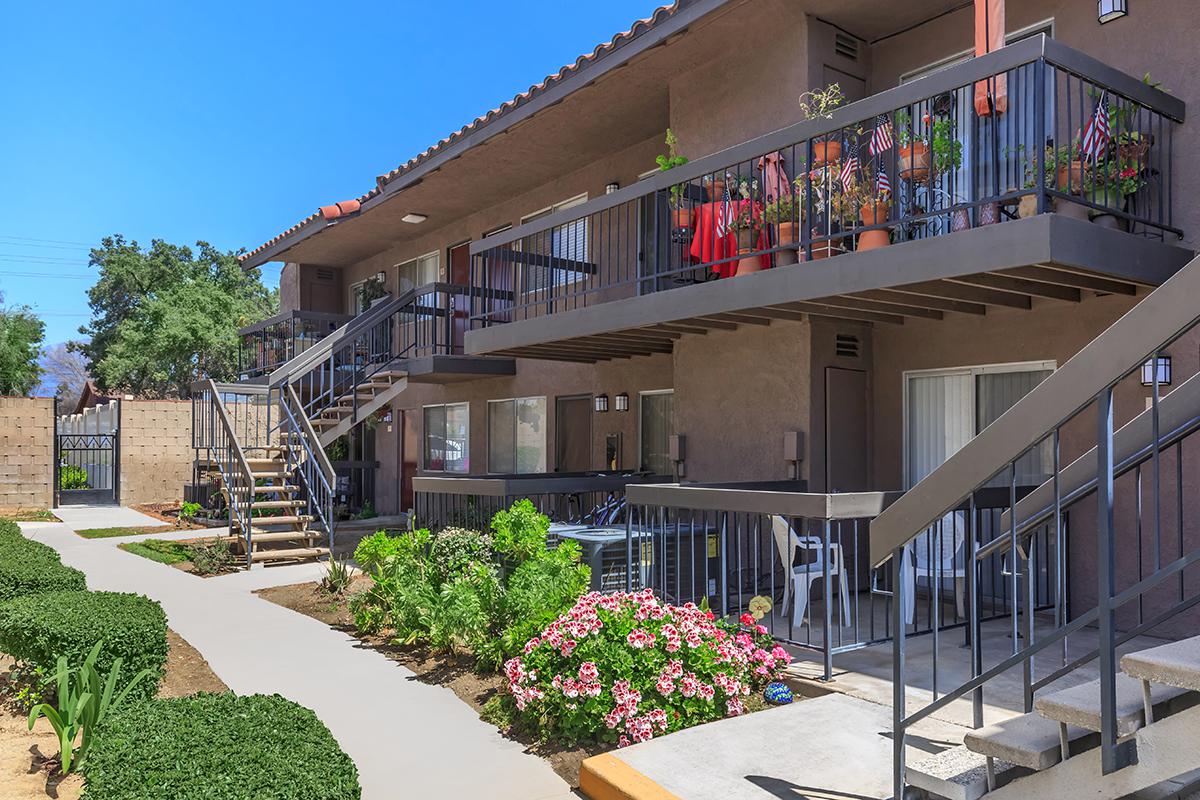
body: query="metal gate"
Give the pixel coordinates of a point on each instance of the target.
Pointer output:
(86, 467)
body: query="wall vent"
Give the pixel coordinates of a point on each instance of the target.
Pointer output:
(846, 345)
(845, 45)
(325, 274)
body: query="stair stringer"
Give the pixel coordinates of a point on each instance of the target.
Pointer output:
(365, 410)
(1166, 749)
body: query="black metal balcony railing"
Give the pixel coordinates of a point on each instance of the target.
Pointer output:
(947, 168)
(277, 340)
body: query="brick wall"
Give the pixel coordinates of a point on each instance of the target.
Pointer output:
(26, 452)
(156, 450)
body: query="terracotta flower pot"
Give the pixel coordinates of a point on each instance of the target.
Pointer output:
(874, 212)
(681, 217)
(1070, 177)
(872, 240)
(827, 248)
(913, 161)
(716, 190)
(745, 239)
(826, 152)
(747, 263)
(785, 237)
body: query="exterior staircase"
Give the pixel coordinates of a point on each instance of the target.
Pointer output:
(267, 440)
(1122, 495)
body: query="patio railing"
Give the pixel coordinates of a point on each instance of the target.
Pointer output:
(275, 341)
(912, 162)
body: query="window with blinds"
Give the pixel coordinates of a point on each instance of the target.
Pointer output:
(566, 245)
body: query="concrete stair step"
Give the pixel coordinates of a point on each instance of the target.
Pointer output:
(1080, 705)
(289, 554)
(325, 422)
(1176, 664)
(958, 774)
(1030, 740)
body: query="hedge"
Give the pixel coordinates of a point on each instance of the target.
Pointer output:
(218, 746)
(28, 567)
(37, 629)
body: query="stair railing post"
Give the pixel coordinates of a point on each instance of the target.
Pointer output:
(1112, 756)
(973, 627)
(827, 617)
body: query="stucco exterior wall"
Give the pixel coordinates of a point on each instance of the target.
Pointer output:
(156, 450)
(26, 452)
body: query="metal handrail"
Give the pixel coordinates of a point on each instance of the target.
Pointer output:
(976, 69)
(1159, 317)
(319, 497)
(310, 435)
(240, 496)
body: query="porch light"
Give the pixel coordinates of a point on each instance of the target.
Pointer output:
(1108, 10)
(381, 276)
(610, 188)
(1163, 366)
(414, 219)
(601, 403)
(622, 402)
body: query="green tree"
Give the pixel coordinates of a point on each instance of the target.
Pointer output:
(21, 335)
(166, 316)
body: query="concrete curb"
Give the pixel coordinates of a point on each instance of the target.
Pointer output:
(607, 777)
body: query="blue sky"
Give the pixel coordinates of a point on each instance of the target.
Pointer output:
(230, 121)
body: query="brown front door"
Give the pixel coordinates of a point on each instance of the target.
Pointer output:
(409, 453)
(573, 433)
(845, 430)
(459, 260)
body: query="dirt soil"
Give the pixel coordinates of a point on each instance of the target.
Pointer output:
(456, 673)
(168, 513)
(29, 766)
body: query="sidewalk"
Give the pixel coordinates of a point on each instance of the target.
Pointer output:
(409, 739)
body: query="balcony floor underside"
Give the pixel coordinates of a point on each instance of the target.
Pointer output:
(970, 272)
(455, 368)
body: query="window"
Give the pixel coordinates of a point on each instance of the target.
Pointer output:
(567, 241)
(657, 423)
(418, 272)
(945, 409)
(447, 436)
(517, 435)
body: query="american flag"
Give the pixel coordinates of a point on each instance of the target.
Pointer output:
(881, 138)
(849, 166)
(1095, 133)
(724, 214)
(882, 184)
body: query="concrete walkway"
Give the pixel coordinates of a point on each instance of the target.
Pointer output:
(409, 739)
(83, 517)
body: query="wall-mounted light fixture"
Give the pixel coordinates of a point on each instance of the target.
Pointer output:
(1108, 10)
(622, 402)
(1161, 364)
(414, 219)
(609, 188)
(601, 403)
(381, 276)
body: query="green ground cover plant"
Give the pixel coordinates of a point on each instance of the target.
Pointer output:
(218, 746)
(160, 550)
(29, 567)
(109, 533)
(39, 629)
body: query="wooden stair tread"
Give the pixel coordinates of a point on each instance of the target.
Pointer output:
(276, 503)
(294, 553)
(281, 536)
(278, 488)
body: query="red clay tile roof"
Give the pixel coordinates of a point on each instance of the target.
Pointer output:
(346, 207)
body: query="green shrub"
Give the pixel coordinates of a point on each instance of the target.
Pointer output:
(29, 567)
(218, 746)
(454, 549)
(375, 549)
(38, 629)
(212, 558)
(72, 477)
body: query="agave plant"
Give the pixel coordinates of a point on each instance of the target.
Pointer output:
(84, 699)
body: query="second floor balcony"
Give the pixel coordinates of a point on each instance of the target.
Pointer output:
(276, 340)
(1032, 172)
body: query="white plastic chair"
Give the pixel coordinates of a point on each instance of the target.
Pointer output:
(939, 557)
(788, 542)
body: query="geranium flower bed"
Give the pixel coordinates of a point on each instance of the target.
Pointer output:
(627, 667)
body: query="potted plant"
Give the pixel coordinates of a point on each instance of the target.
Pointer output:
(680, 214)
(786, 214)
(819, 104)
(873, 205)
(715, 186)
(912, 151)
(833, 212)
(746, 226)
(1112, 183)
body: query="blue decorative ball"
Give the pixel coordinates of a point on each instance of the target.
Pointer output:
(777, 694)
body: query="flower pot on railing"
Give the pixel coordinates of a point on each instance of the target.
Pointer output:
(913, 161)
(874, 211)
(681, 217)
(747, 263)
(826, 152)
(989, 213)
(786, 236)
